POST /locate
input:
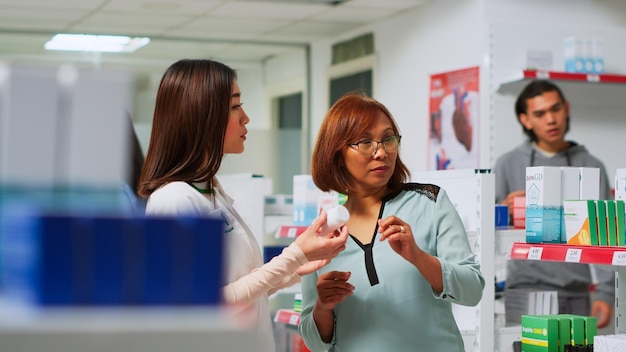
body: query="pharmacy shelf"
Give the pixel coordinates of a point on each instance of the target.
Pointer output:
(574, 77)
(568, 253)
(290, 231)
(601, 90)
(603, 255)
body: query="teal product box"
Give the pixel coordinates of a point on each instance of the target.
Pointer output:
(573, 54)
(544, 206)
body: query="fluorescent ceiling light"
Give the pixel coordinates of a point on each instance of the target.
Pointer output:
(99, 43)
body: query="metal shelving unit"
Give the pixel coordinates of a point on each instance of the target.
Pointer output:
(602, 255)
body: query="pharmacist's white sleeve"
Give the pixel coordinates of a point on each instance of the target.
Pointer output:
(272, 276)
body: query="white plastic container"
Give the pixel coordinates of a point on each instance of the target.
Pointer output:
(336, 217)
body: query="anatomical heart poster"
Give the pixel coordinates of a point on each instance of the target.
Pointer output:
(454, 120)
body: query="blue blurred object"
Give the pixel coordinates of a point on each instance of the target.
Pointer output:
(502, 216)
(50, 259)
(270, 252)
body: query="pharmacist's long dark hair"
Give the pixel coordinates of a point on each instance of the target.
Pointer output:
(533, 89)
(190, 118)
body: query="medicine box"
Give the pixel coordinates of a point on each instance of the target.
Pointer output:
(543, 204)
(583, 328)
(540, 333)
(619, 210)
(523, 301)
(519, 212)
(589, 183)
(580, 222)
(565, 331)
(620, 184)
(570, 183)
(611, 223)
(601, 220)
(570, 190)
(616, 342)
(305, 200)
(591, 329)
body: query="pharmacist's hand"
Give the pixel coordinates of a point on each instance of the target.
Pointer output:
(508, 201)
(317, 247)
(332, 288)
(602, 311)
(400, 237)
(312, 267)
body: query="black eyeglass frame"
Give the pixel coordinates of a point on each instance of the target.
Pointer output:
(357, 146)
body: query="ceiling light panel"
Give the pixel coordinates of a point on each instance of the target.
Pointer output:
(95, 43)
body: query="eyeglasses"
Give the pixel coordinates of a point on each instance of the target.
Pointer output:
(369, 146)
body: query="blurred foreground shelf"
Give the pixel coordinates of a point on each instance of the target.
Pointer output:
(168, 329)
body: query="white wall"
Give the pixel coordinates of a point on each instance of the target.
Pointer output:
(517, 26)
(448, 35)
(440, 36)
(436, 37)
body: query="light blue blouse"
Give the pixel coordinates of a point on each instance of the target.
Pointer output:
(401, 312)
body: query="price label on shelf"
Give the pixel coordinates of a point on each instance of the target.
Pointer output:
(593, 78)
(573, 255)
(534, 253)
(619, 258)
(292, 232)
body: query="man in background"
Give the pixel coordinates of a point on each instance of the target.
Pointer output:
(543, 112)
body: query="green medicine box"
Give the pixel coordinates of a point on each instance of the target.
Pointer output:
(540, 333)
(584, 329)
(564, 331)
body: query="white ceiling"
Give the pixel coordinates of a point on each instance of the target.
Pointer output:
(228, 30)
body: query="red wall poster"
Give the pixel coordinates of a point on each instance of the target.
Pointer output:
(454, 120)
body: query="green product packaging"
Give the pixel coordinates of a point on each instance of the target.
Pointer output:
(603, 240)
(577, 328)
(540, 333)
(565, 329)
(611, 227)
(591, 329)
(619, 210)
(581, 224)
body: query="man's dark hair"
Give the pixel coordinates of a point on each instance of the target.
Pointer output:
(533, 89)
